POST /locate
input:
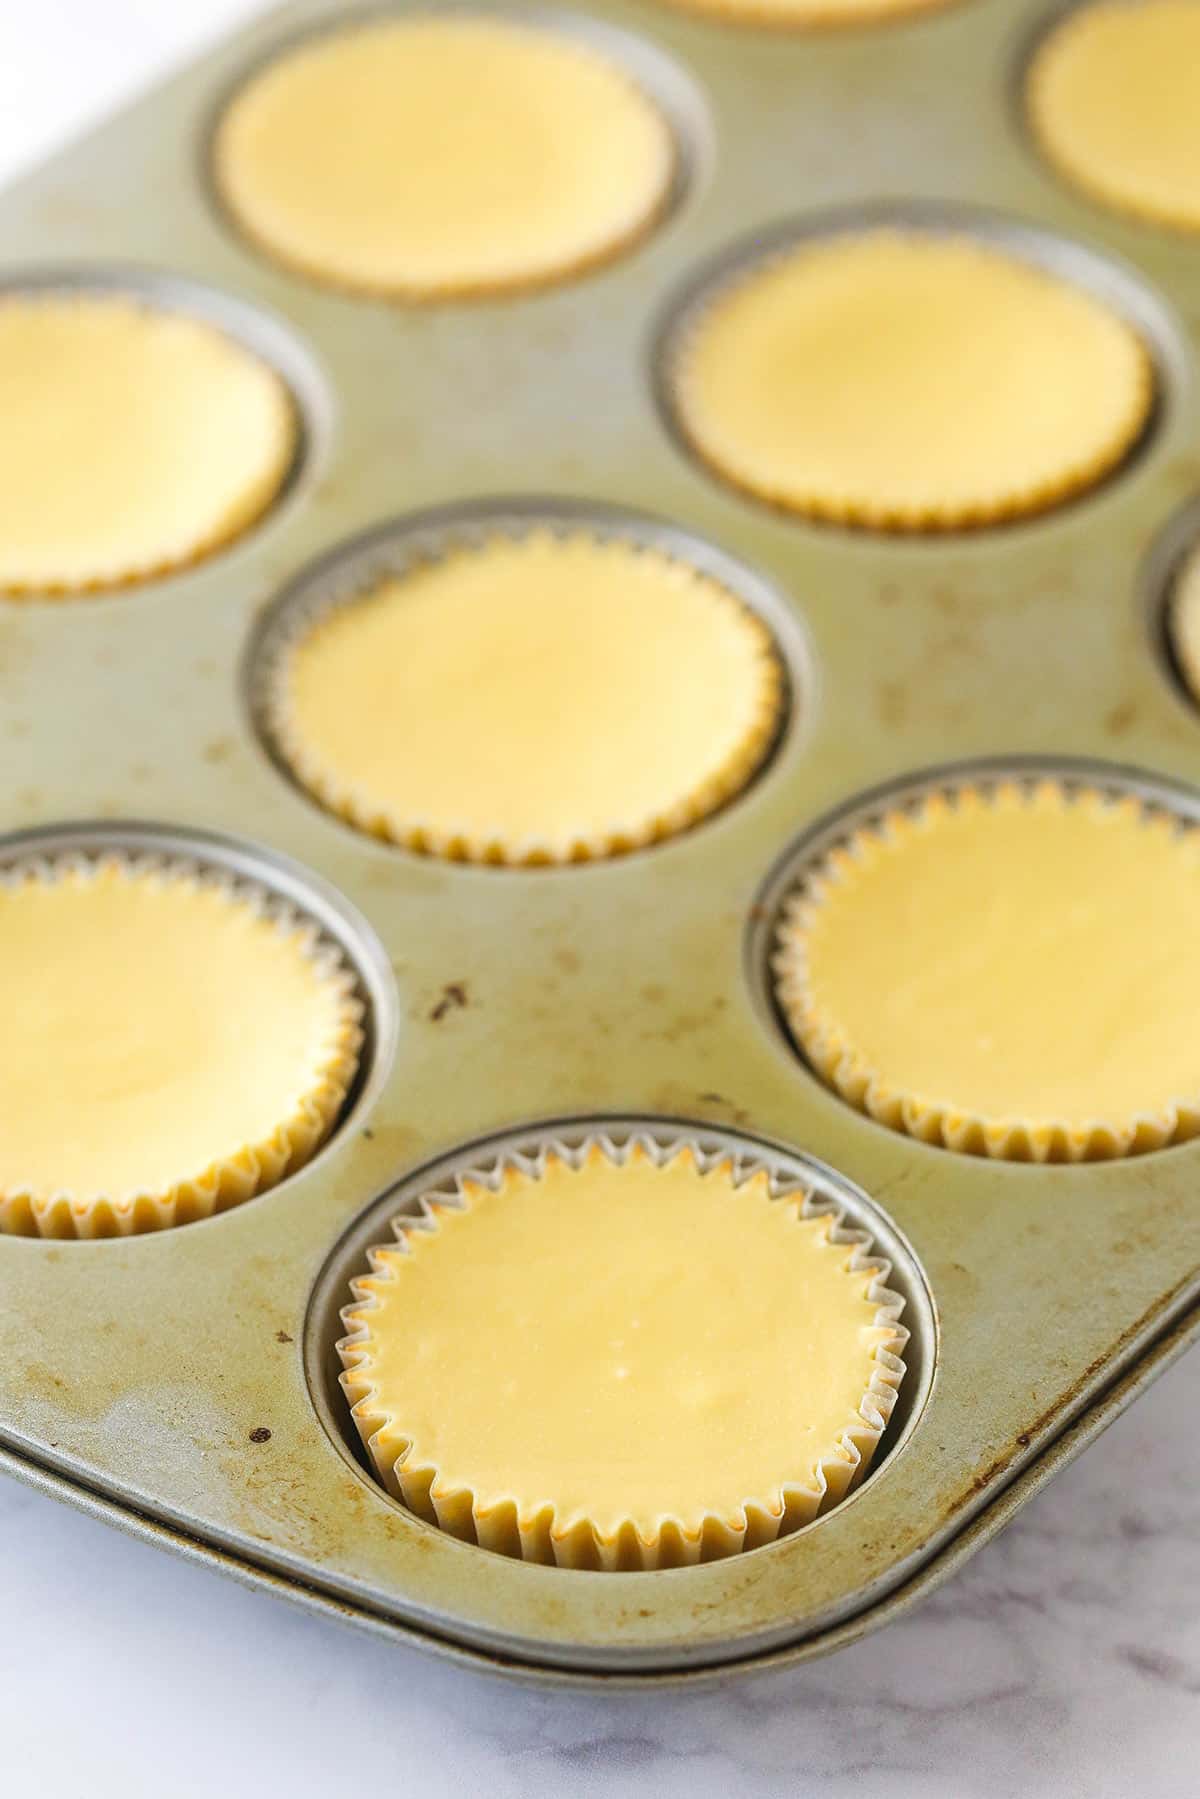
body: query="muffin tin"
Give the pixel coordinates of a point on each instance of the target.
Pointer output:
(183, 1384)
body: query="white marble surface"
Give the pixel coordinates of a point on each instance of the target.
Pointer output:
(1065, 1661)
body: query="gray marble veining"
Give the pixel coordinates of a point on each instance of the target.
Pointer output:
(1064, 1661)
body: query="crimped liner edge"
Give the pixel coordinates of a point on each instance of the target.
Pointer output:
(849, 510)
(536, 1535)
(228, 1180)
(1132, 201)
(643, 216)
(246, 510)
(271, 700)
(922, 1116)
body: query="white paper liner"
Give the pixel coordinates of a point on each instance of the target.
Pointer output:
(1129, 188)
(186, 547)
(271, 697)
(231, 1179)
(703, 434)
(534, 1534)
(924, 1116)
(624, 231)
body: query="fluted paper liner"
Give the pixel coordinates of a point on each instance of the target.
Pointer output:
(229, 1179)
(448, 841)
(217, 514)
(465, 276)
(834, 501)
(828, 1046)
(534, 1531)
(1097, 146)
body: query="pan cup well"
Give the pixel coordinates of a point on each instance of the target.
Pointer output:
(951, 954)
(922, 439)
(527, 682)
(186, 381)
(1103, 90)
(498, 1184)
(607, 131)
(213, 1015)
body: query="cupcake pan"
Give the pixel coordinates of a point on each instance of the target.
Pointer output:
(178, 1383)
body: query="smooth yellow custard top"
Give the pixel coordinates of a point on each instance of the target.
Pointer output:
(1012, 970)
(539, 698)
(909, 380)
(1184, 621)
(443, 155)
(614, 1344)
(135, 440)
(1113, 101)
(166, 1033)
(818, 13)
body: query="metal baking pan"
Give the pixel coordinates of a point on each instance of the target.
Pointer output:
(181, 1383)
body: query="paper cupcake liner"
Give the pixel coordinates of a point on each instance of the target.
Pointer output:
(848, 509)
(228, 1180)
(645, 211)
(185, 548)
(534, 1532)
(1129, 191)
(349, 801)
(835, 1057)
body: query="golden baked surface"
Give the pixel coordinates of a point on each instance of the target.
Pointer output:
(135, 440)
(542, 698)
(819, 14)
(1184, 621)
(1009, 971)
(178, 1048)
(909, 380)
(589, 1360)
(430, 156)
(1112, 101)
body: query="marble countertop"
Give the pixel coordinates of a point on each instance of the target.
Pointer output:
(1064, 1661)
